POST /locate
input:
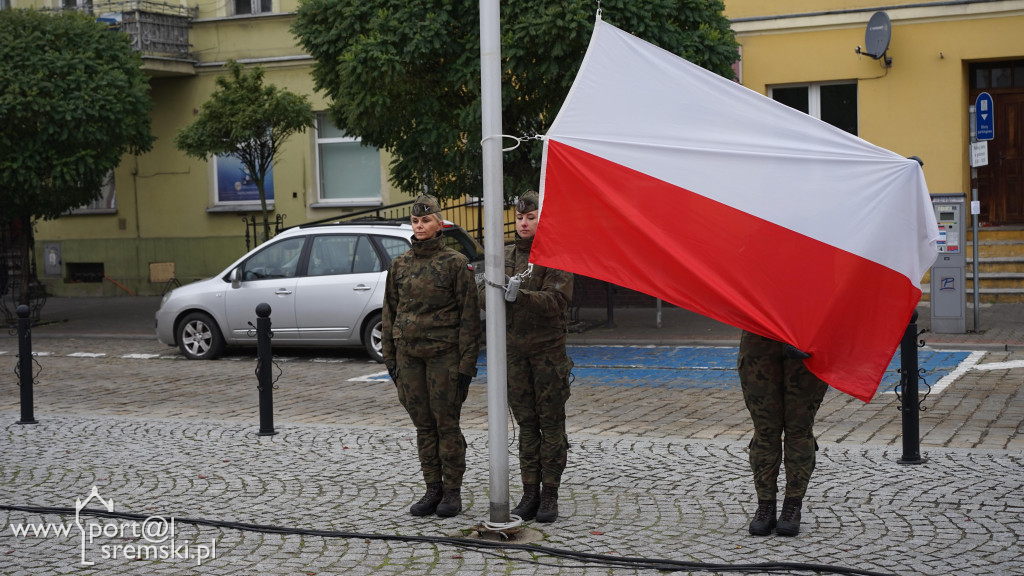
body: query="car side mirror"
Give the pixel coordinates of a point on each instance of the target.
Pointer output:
(235, 282)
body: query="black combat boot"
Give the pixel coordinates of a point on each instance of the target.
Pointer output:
(789, 519)
(451, 504)
(527, 508)
(430, 500)
(548, 510)
(764, 518)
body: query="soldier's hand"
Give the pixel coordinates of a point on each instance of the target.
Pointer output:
(464, 380)
(796, 353)
(393, 372)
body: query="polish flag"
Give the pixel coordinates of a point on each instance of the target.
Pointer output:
(665, 178)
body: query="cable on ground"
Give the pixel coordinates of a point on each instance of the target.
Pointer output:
(482, 546)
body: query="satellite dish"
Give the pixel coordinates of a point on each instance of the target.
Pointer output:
(877, 35)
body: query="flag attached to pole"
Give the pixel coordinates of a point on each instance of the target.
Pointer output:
(667, 179)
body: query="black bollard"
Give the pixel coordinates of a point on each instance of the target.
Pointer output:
(908, 384)
(25, 364)
(264, 361)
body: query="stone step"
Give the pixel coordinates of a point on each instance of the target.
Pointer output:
(985, 295)
(1000, 266)
(990, 249)
(1002, 233)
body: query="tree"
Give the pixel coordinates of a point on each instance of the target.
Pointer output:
(405, 76)
(249, 121)
(73, 101)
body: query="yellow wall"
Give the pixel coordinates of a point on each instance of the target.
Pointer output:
(918, 106)
(165, 200)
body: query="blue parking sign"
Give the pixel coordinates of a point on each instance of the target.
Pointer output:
(984, 117)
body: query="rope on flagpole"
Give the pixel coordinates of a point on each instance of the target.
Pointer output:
(519, 139)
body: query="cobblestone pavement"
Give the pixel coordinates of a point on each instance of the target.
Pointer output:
(656, 472)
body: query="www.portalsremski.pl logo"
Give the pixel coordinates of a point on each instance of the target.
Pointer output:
(153, 538)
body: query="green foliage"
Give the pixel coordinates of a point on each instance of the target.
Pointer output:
(404, 75)
(73, 101)
(248, 120)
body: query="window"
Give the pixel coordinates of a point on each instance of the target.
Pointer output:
(253, 6)
(83, 5)
(992, 75)
(343, 255)
(279, 260)
(392, 246)
(106, 203)
(235, 185)
(832, 103)
(349, 173)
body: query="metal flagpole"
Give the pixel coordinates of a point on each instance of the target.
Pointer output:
(494, 260)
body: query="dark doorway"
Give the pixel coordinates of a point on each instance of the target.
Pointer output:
(1001, 183)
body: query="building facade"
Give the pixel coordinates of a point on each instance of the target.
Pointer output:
(914, 96)
(166, 214)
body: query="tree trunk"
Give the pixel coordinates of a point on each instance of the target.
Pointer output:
(263, 206)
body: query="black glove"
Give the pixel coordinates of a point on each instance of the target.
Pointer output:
(796, 353)
(464, 380)
(393, 372)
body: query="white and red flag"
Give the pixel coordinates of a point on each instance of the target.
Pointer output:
(665, 178)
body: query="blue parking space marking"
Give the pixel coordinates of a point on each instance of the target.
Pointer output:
(695, 367)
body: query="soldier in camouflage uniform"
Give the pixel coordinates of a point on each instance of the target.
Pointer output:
(430, 338)
(538, 366)
(782, 396)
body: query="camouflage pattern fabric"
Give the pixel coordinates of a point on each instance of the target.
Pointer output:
(430, 305)
(428, 388)
(538, 365)
(782, 396)
(430, 335)
(538, 388)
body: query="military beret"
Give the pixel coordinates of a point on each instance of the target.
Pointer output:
(528, 202)
(424, 205)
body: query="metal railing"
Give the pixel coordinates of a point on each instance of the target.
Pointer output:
(469, 215)
(155, 28)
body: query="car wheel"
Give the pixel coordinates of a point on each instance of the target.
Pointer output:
(372, 337)
(199, 338)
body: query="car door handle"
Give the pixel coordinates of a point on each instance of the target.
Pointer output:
(283, 292)
(361, 288)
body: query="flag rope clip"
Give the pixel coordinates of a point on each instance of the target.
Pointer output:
(519, 140)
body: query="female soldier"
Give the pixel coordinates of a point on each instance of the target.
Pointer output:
(782, 396)
(538, 366)
(431, 338)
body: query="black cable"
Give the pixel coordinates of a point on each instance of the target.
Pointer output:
(482, 546)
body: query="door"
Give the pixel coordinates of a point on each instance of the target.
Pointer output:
(1001, 183)
(344, 281)
(268, 276)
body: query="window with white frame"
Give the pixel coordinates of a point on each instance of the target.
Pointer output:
(349, 173)
(253, 6)
(833, 102)
(106, 203)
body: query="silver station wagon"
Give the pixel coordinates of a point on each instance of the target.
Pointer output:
(324, 284)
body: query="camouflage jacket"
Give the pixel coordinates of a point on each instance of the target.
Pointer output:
(537, 319)
(430, 304)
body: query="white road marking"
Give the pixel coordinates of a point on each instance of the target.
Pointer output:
(1001, 365)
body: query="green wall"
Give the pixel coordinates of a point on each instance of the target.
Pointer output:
(126, 262)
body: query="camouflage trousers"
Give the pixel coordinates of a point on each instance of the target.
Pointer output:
(538, 388)
(429, 390)
(782, 396)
